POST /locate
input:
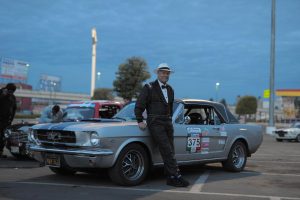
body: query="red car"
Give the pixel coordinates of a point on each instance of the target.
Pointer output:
(92, 109)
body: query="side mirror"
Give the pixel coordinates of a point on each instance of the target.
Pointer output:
(187, 119)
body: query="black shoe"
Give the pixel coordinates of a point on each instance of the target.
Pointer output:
(177, 181)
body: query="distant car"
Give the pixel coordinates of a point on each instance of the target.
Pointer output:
(291, 133)
(92, 109)
(204, 132)
(17, 134)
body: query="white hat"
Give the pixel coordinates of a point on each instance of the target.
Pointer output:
(163, 67)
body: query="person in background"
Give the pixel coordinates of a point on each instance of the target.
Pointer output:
(157, 98)
(8, 108)
(57, 114)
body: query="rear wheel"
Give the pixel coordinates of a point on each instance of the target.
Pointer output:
(131, 167)
(237, 158)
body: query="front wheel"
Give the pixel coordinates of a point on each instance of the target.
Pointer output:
(131, 167)
(237, 158)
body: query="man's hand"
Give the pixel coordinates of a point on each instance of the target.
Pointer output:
(142, 125)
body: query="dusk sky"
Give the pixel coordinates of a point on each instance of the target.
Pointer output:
(205, 42)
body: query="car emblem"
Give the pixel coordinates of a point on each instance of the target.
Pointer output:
(55, 136)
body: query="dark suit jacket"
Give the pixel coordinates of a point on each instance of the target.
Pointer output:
(153, 100)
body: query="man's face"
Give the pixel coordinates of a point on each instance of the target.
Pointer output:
(163, 76)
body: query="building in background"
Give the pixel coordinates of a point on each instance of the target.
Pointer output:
(50, 83)
(16, 71)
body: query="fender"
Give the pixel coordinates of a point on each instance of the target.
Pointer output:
(129, 141)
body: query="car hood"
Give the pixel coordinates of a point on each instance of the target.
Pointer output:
(79, 126)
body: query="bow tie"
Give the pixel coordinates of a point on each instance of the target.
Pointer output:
(164, 87)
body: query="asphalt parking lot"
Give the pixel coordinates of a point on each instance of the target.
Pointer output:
(271, 173)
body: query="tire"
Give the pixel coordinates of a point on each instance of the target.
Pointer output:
(278, 140)
(237, 158)
(131, 167)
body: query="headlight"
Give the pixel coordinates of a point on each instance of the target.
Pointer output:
(94, 138)
(32, 136)
(7, 133)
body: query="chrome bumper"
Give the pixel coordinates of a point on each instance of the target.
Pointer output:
(86, 152)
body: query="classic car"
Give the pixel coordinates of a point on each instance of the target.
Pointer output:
(291, 133)
(17, 134)
(204, 132)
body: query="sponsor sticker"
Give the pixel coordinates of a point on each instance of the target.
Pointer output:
(193, 130)
(204, 150)
(223, 133)
(221, 141)
(205, 132)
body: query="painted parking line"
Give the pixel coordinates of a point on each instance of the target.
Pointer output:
(199, 183)
(273, 161)
(270, 174)
(262, 154)
(160, 190)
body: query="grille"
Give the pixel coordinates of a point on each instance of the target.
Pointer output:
(53, 136)
(18, 136)
(281, 133)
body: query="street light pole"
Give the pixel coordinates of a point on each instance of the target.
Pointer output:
(217, 88)
(272, 71)
(94, 44)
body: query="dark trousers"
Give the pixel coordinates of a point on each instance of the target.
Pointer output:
(161, 131)
(3, 126)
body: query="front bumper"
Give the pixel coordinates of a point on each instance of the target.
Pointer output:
(76, 157)
(286, 136)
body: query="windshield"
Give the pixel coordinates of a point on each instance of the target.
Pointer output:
(46, 115)
(127, 113)
(295, 125)
(78, 113)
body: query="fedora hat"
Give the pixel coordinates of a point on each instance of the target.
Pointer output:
(163, 67)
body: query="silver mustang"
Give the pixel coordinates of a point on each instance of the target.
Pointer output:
(204, 132)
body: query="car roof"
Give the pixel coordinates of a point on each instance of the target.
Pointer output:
(91, 103)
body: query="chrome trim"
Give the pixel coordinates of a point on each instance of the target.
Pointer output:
(94, 152)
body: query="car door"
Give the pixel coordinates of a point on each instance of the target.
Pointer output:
(203, 139)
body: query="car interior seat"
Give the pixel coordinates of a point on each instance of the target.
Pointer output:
(196, 118)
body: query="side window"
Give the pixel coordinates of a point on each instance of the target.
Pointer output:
(202, 115)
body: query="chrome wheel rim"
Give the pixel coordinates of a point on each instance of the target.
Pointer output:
(238, 156)
(133, 165)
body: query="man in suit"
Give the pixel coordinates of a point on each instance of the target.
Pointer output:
(8, 108)
(157, 98)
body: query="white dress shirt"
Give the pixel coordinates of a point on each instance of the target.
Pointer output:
(164, 91)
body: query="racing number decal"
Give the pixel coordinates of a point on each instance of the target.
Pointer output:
(193, 142)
